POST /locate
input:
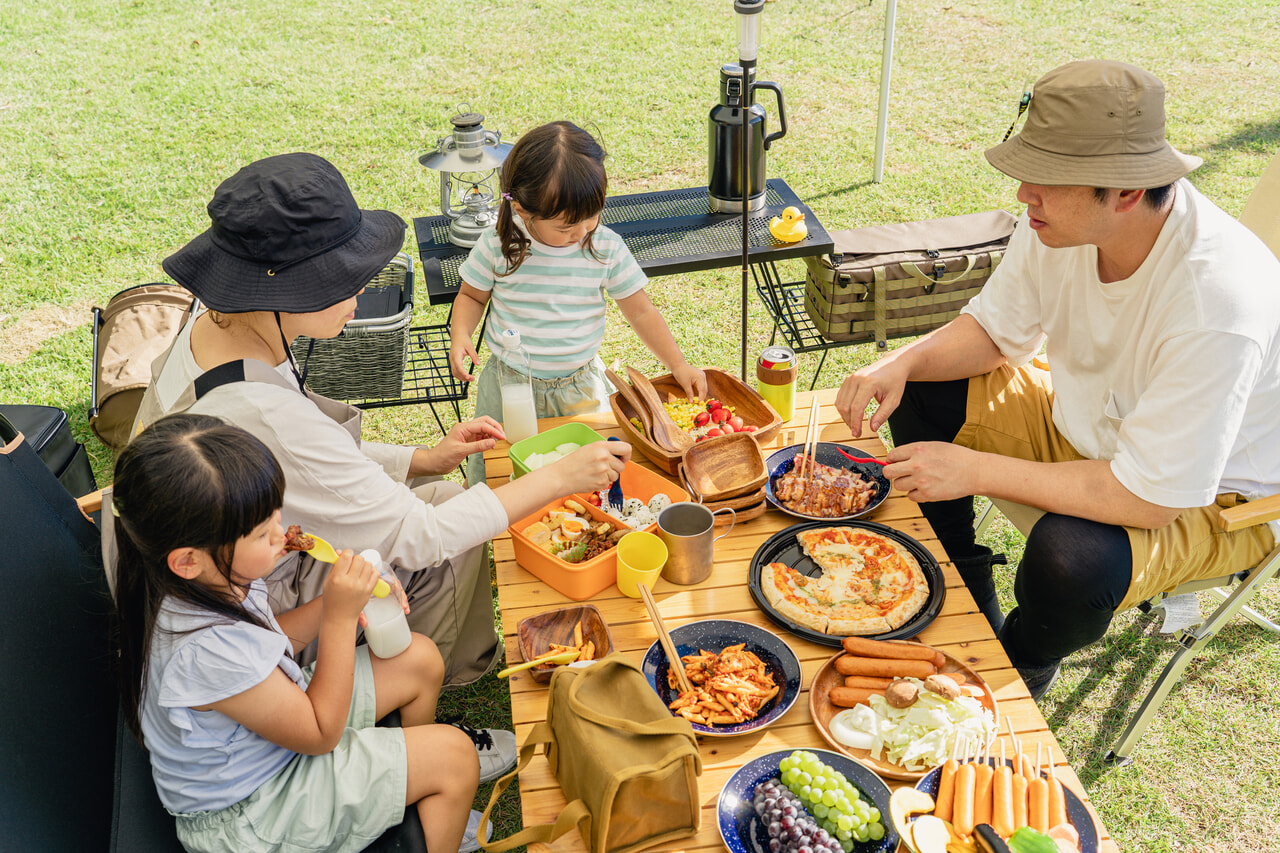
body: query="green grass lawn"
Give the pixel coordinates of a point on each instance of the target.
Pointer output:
(117, 120)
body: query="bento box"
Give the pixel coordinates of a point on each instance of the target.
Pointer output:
(545, 442)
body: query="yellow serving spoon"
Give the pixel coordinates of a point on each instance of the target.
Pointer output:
(325, 553)
(562, 657)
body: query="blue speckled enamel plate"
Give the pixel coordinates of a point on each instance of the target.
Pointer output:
(826, 452)
(713, 635)
(740, 827)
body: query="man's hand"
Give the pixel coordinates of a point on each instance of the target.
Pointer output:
(933, 470)
(883, 382)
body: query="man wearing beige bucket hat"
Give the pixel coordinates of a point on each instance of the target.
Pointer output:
(1160, 315)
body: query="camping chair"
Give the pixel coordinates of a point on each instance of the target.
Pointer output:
(1233, 592)
(74, 777)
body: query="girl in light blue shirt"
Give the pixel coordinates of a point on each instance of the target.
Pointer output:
(248, 750)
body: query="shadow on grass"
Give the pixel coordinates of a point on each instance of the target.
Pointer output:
(1143, 650)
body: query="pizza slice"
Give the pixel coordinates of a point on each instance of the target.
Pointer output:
(788, 593)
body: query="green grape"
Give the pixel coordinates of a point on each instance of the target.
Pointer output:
(846, 844)
(844, 822)
(844, 834)
(862, 833)
(804, 792)
(820, 811)
(829, 825)
(806, 778)
(877, 831)
(874, 817)
(828, 798)
(792, 776)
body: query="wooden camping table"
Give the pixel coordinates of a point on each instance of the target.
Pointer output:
(959, 630)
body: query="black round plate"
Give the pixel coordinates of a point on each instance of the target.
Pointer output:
(782, 547)
(780, 462)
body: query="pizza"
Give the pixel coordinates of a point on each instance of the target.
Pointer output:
(869, 583)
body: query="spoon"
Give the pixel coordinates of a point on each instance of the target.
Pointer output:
(562, 657)
(325, 553)
(629, 394)
(665, 432)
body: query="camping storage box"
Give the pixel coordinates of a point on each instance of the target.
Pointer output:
(366, 361)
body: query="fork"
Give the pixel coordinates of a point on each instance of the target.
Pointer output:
(615, 488)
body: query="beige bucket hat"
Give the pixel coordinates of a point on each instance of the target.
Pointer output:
(1094, 123)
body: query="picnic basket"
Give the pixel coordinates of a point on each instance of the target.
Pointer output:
(367, 360)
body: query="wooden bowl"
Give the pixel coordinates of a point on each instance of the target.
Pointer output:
(536, 634)
(726, 388)
(724, 467)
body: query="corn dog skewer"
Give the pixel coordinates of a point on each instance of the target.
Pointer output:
(944, 803)
(1018, 783)
(1038, 799)
(962, 812)
(1002, 798)
(1057, 798)
(983, 779)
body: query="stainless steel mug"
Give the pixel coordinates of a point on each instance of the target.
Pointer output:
(686, 529)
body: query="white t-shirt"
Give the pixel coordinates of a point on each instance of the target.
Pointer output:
(1172, 374)
(204, 760)
(556, 298)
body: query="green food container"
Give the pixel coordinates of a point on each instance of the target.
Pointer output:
(545, 442)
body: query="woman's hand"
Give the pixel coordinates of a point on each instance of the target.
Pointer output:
(348, 586)
(593, 467)
(462, 439)
(692, 379)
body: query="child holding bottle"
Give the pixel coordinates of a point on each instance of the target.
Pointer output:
(544, 270)
(248, 750)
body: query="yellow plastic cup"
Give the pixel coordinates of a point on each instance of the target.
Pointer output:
(641, 557)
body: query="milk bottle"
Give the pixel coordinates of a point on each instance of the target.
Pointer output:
(519, 415)
(388, 631)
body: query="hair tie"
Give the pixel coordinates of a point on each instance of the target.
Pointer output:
(506, 196)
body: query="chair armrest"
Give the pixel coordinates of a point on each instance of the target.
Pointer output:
(1248, 514)
(91, 502)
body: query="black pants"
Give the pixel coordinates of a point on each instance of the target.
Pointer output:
(1074, 573)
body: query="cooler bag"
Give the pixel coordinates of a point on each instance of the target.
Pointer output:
(895, 281)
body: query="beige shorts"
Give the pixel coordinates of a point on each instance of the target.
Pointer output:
(1010, 412)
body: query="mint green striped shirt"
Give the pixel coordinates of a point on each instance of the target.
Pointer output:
(556, 299)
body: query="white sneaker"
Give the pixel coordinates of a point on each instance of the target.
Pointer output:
(470, 838)
(496, 749)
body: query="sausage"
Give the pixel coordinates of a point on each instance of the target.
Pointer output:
(962, 811)
(982, 794)
(1002, 800)
(847, 697)
(884, 667)
(1019, 801)
(945, 802)
(868, 648)
(867, 681)
(1038, 804)
(1057, 804)
(1028, 768)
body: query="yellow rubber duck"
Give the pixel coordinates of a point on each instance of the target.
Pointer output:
(789, 227)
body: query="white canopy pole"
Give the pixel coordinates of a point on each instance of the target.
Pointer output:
(886, 63)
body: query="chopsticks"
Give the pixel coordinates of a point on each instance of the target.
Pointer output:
(673, 659)
(810, 440)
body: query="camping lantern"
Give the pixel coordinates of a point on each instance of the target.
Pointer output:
(468, 161)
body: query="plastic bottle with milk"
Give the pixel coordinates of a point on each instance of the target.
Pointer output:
(388, 631)
(519, 415)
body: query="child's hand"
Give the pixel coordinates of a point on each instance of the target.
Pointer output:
(397, 592)
(593, 467)
(348, 586)
(692, 379)
(460, 349)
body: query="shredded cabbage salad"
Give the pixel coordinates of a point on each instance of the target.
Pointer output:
(925, 734)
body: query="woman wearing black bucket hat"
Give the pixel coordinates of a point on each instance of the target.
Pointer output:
(286, 254)
(1159, 316)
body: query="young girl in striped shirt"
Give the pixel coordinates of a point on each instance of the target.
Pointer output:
(544, 270)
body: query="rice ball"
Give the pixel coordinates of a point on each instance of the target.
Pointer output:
(631, 506)
(659, 502)
(643, 518)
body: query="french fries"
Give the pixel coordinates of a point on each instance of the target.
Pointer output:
(729, 687)
(586, 649)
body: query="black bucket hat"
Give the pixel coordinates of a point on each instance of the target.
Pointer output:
(286, 235)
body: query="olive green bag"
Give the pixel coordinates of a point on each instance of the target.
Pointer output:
(903, 279)
(628, 768)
